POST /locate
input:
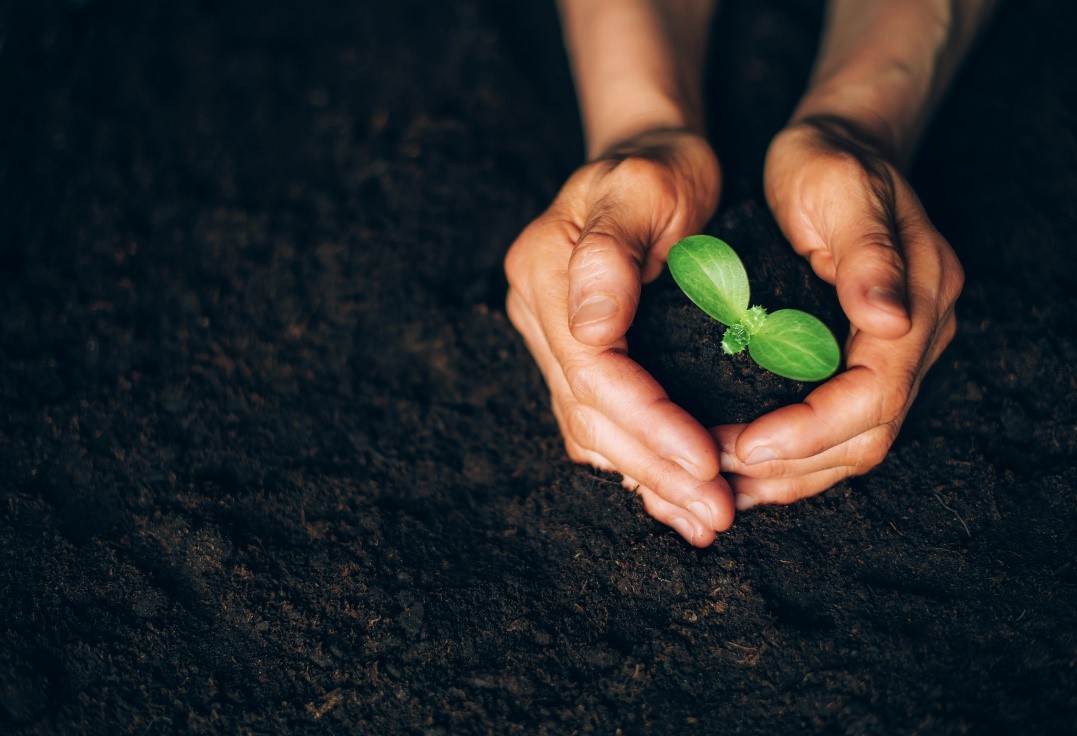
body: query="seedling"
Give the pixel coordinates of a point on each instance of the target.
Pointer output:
(788, 342)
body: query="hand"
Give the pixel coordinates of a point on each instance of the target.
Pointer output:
(575, 275)
(843, 205)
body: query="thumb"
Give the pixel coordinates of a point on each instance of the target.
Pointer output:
(604, 276)
(857, 242)
(867, 244)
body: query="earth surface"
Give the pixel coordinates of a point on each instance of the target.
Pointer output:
(273, 460)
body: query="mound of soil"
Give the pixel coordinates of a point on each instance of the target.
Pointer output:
(273, 460)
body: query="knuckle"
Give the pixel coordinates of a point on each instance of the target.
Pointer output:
(895, 397)
(881, 248)
(954, 273)
(653, 505)
(583, 379)
(862, 146)
(874, 449)
(512, 257)
(848, 168)
(873, 253)
(595, 251)
(576, 453)
(822, 262)
(893, 406)
(523, 321)
(790, 494)
(781, 492)
(512, 309)
(948, 331)
(579, 427)
(771, 470)
(515, 263)
(652, 472)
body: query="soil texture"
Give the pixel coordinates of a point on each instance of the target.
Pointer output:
(274, 461)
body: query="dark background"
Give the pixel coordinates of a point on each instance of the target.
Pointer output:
(273, 461)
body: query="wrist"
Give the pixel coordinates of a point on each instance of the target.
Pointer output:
(884, 64)
(646, 115)
(888, 103)
(636, 64)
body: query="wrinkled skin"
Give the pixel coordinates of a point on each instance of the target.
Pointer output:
(846, 208)
(575, 275)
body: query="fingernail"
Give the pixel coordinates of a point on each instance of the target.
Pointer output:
(594, 309)
(727, 462)
(703, 512)
(744, 502)
(887, 299)
(760, 455)
(689, 467)
(684, 527)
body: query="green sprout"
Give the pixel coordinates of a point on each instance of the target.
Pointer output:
(788, 342)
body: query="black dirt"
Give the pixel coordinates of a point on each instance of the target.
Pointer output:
(273, 460)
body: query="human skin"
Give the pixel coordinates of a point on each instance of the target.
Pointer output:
(833, 180)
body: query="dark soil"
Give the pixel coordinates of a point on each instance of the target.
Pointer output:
(273, 461)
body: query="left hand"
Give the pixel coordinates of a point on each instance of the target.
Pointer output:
(607, 232)
(844, 205)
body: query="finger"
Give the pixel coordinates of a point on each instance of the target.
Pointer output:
(627, 235)
(844, 219)
(786, 481)
(624, 392)
(859, 454)
(694, 532)
(750, 492)
(604, 281)
(589, 437)
(688, 525)
(874, 391)
(709, 500)
(610, 382)
(869, 275)
(852, 420)
(592, 437)
(882, 378)
(620, 390)
(726, 436)
(853, 457)
(581, 455)
(866, 244)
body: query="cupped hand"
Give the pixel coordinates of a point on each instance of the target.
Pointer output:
(575, 275)
(845, 206)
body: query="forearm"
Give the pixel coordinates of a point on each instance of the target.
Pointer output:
(637, 65)
(884, 64)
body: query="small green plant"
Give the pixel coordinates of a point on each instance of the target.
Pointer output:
(788, 342)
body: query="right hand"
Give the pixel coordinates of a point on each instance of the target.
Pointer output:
(575, 275)
(844, 205)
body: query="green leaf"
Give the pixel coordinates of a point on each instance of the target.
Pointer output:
(735, 339)
(796, 345)
(712, 276)
(754, 319)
